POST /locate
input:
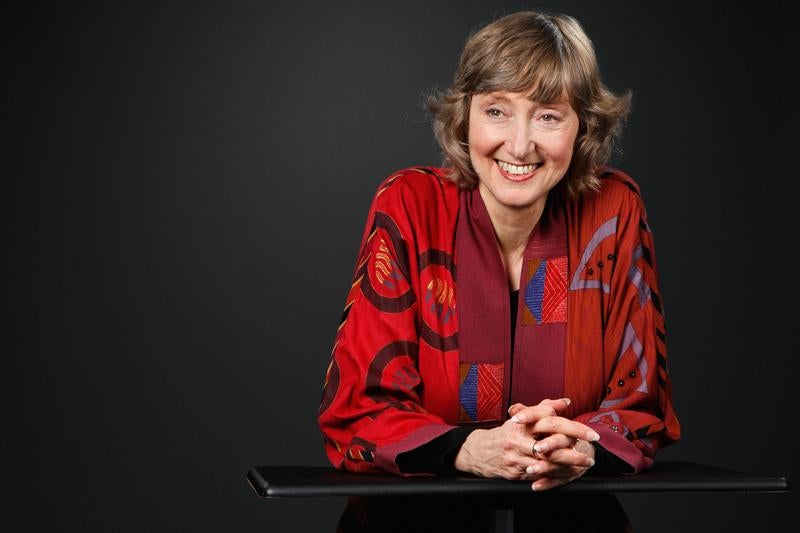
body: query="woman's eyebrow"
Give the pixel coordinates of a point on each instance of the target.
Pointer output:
(497, 96)
(555, 105)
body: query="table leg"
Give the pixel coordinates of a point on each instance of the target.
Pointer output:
(502, 521)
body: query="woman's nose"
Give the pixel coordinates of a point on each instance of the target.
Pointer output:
(520, 141)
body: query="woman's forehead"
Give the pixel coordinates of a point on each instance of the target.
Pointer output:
(530, 96)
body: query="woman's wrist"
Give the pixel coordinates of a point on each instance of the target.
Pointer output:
(463, 461)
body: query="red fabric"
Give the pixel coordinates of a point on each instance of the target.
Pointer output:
(536, 369)
(554, 308)
(490, 383)
(393, 380)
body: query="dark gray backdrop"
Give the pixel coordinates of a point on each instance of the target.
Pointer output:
(185, 186)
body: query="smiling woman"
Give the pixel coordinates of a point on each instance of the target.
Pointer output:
(550, 60)
(515, 138)
(504, 318)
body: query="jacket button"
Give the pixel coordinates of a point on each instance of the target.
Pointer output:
(632, 374)
(610, 257)
(620, 383)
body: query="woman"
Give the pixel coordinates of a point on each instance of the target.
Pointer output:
(504, 318)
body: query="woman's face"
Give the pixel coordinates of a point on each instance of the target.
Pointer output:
(520, 149)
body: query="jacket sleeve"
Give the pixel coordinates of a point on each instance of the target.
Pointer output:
(370, 411)
(636, 416)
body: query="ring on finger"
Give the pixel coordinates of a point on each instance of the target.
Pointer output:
(534, 452)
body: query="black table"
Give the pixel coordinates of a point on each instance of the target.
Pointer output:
(305, 481)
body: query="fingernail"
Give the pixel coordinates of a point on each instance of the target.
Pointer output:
(593, 436)
(540, 447)
(591, 462)
(531, 470)
(515, 418)
(567, 401)
(533, 487)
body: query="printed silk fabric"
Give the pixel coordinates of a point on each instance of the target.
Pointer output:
(590, 324)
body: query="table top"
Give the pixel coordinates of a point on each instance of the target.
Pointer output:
(665, 476)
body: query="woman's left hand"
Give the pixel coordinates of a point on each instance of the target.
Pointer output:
(561, 458)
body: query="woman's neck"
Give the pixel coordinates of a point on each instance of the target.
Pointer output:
(513, 227)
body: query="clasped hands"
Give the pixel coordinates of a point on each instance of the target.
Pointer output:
(535, 444)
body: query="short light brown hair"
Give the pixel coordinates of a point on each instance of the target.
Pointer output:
(549, 56)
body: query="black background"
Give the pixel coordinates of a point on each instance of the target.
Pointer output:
(185, 186)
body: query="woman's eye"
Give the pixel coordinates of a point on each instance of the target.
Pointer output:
(494, 112)
(549, 117)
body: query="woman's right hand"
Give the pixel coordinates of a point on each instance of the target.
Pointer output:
(506, 451)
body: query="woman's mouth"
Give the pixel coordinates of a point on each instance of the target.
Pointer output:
(517, 172)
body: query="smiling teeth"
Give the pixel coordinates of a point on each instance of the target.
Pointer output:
(516, 169)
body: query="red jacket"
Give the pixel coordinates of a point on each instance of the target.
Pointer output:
(398, 376)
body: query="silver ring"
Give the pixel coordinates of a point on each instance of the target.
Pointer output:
(533, 450)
